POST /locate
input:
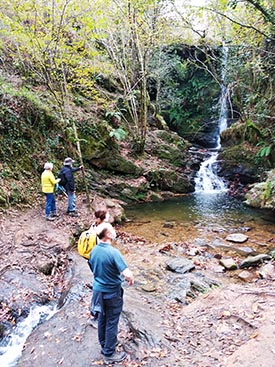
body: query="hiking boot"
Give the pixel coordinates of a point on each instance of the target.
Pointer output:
(73, 214)
(115, 357)
(49, 218)
(55, 215)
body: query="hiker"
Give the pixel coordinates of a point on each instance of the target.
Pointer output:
(101, 219)
(107, 265)
(67, 181)
(48, 182)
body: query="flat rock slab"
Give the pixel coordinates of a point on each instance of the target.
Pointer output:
(237, 238)
(180, 265)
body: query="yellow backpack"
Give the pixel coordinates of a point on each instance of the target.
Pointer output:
(86, 242)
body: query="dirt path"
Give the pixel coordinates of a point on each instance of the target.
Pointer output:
(232, 325)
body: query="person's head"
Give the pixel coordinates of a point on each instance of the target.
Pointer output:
(109, 234)
(68, 161)
(102, 215)
(105, 235)
(48, 165)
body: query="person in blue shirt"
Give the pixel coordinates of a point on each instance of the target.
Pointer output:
(107, 265)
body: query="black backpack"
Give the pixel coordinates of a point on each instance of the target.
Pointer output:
(63, 180)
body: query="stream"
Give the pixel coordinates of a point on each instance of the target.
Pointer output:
(12, 345)
(186, 218)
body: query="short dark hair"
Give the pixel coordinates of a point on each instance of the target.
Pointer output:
(102, 234)
(101, 214)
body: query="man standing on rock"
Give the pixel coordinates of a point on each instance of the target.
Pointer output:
(67, 181)
(107, 265)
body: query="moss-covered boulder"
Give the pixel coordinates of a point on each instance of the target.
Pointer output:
(168, 146)
(239, 160)
(162, 179)
(117, 164)
(262, 194)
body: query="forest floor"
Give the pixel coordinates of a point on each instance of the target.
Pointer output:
(231, 325)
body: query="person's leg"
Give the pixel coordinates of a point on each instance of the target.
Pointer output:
(48, 206)
(113, 308)
(71, 202)
(101, 329)
(53, 205)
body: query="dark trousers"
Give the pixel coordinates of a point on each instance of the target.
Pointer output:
(108, 321)
(50, 204)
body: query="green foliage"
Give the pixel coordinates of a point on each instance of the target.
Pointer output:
(186, 92)
(264, 151)
(268, 190)
(119, 133)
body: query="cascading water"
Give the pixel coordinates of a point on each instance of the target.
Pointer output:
(207, 180)
(12, 345)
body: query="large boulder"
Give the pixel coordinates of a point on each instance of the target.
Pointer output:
(262, 194)
(168, 146)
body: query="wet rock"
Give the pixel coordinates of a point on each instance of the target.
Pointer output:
(201, 242)
(257, 195)
(254, 260)
(149, 287)
(168, 225)
(267, 271)
(46, 267)
(245, 250)
(229, 264)
(245, 275)
(180, 286)
(180, 265)
(237, 237)
(201, 283)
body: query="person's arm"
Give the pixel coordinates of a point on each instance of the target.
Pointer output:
(53, 180)
(128, 276)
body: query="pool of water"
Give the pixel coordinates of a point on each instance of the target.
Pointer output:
(197, 215)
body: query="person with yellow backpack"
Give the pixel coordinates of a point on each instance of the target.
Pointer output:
(48, 182)
(88, 239)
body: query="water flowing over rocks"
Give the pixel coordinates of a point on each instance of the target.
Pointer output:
(182, 309)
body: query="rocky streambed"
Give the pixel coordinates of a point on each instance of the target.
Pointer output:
(186, 308)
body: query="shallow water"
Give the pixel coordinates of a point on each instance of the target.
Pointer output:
(199, 215)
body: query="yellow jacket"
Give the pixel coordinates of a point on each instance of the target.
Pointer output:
(48, 181)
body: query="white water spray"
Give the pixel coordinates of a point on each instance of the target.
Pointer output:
(11, 352)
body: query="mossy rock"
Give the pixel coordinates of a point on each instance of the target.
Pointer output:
(168, 146)
(169, 180)
(118, 164)
(96, 141)
(262, 194)
(239, 160)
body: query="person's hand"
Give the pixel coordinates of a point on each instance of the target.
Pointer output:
(58, 180)
(128, 276)
(81, 167)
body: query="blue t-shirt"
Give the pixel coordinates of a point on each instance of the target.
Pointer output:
(106, 263)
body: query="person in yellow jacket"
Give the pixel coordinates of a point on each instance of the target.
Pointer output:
(47, 182)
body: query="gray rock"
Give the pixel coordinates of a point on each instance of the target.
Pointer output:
(245, 275)
(254, 260)
(267, 271)
(229, 264)
(237, 237)
(180, 265)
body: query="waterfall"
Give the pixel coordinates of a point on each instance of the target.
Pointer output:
(207, 179)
